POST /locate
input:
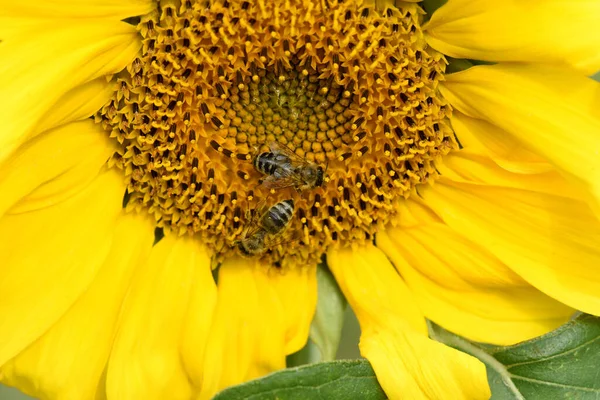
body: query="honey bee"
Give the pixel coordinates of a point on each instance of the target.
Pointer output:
(284, 168)
(272, 223)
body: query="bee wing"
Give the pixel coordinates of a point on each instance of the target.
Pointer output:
(250, 229)
(278, 148)
(252, 224)
(283, 239)
(280, 182)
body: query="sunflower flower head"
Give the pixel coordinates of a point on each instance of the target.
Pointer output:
(130, 157)
(346, 85)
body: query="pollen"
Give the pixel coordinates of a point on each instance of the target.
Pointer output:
(343, 84)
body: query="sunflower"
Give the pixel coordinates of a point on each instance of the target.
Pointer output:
(130, 129)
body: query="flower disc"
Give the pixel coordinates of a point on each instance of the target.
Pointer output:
(342, 84)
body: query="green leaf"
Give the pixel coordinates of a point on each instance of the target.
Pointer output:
(431, 5)
(326, 327)
(350, 379)
(457, 65)
(563, 364)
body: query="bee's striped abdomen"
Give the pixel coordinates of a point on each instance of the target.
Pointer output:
(278, 217)
(267, 163)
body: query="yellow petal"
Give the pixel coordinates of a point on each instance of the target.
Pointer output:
(550, 110)
(79, 103)
(68, 361)
(50, 257)
(464, 167)
(551, 241)
(297, 291)
(394, 337)
(203, 299)
(113, 9)
(53, 166)
(415, 213)
(256, 323)
(548, 31)
(50, 62)
(467, 290)
(145, 362)
(480, 137)
(411, 366)
(383, 296)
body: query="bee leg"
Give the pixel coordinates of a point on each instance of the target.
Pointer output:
(253, 215)
(248, 213)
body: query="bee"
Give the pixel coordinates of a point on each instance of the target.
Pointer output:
(272, 223)
(284, 168)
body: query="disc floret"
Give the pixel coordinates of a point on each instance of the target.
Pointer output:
(342, 84)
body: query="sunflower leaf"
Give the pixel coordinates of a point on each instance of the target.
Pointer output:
(431, 5)
(346, 379)
(562, 364)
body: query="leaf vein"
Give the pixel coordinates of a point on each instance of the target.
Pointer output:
(553, 356)
(316, 387)
(556, 384)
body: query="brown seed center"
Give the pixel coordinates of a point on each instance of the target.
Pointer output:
(348, 87)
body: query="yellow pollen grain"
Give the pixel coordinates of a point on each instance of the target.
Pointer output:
(348, 87)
